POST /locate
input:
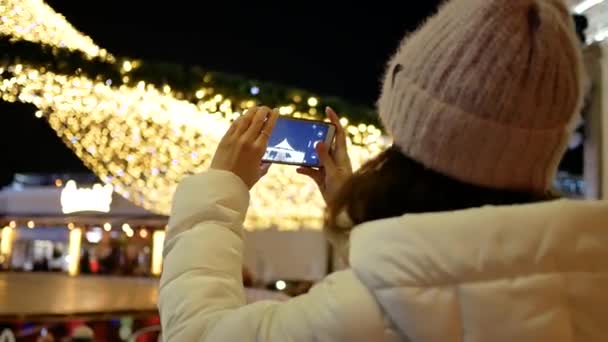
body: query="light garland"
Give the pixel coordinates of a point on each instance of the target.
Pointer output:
(35, 21)
(143, 139)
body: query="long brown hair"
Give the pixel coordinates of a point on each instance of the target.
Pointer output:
(393, 184)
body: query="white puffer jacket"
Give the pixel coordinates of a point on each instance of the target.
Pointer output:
(525, 273)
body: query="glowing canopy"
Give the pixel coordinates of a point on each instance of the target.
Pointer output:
(143, 139)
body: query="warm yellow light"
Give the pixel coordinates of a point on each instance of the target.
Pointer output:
(143, 233)
(280, 285)
(126, 228)
(158, 239)
(38, 114)
(107, 226)
(12, 224)
(71, 226)
(126, 66)
(74, 199)
(74, 251)
(200, 94)
(6, 241)
(58, 183)
(343, 121)
(132, 138)
(362, 128)
(312, 101)
(31, 224)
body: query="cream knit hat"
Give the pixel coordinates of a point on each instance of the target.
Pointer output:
(487, 92)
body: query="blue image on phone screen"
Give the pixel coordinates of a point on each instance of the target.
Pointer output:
(294, 141)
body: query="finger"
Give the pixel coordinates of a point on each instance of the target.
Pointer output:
(324, 157)
(340, 142)
(262, 139)
(264, 168)
(232, 128)
(244, 121)
(316, 175)
(257, 122)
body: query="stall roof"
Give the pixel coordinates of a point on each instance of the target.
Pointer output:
(43, 204)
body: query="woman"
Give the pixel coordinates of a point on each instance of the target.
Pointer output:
(451, 234)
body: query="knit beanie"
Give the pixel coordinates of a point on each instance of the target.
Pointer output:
(487, 92)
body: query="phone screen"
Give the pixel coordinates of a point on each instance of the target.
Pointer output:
(293, 141)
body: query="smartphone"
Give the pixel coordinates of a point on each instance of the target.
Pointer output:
(293, 141)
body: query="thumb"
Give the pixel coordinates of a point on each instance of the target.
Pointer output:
(324, 157)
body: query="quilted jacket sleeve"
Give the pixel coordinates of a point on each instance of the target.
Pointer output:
(201, 292)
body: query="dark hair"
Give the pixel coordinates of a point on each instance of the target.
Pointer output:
(393, 184)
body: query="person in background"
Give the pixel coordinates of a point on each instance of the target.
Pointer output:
(85, 262)
(82, 333)
(57, 261)
(107, 253)
(452, 234)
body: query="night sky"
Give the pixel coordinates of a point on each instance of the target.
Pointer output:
(337, 49)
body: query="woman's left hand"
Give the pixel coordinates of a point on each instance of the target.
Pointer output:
(241, 149)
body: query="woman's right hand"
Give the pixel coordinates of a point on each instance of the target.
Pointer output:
(336, 167)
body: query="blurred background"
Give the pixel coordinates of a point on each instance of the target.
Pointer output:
(83, 194)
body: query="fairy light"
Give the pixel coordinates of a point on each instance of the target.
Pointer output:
(31, 224)
(107, 227)
(35, 21)
(143, 233)
(313, 101)
(127, 66)
(138, 162)
(143, 139)
(12, 224)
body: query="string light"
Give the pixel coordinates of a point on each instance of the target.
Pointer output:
(143, 233)
(71, 226)
(127, 66)
(107, 227)
(143, 140)
(12, 224)
(313, 102)
(36, 22)
(31, 224)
